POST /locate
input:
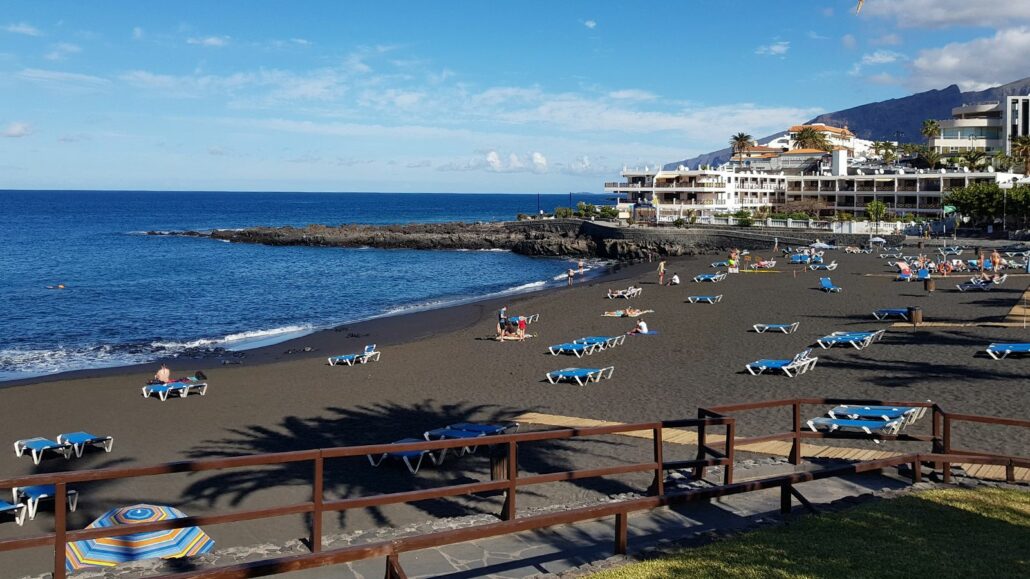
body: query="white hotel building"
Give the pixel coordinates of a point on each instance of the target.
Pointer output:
(987, 126)
(655, 194)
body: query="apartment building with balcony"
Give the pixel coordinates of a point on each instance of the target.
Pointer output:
(658, 195)
(987, 126)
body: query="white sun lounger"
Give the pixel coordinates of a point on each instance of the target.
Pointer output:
(39, 445)
(824, 266)
(705, 299)
(800, 364)
(999, 351)
(80, 440)
(711, 277)
(370, 354)
(577, 348)
(859, 340)
(181, 388)
(580, 375)
(785, 328)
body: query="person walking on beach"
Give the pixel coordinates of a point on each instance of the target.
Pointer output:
(502, 317)
(581, 267)
(164, 375)
(661, 272)
(571, 273)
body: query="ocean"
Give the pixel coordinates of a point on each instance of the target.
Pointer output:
(132, 298)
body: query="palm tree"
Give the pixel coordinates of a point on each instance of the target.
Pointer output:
(930, 156)
(931, 130)
(809, 138)
(1002, 162)
(889, 152)
(1021, 151)
(740, 143)
(876, 210)
(878, 148)
(973, 159)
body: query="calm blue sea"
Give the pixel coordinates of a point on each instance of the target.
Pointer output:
(131, 298)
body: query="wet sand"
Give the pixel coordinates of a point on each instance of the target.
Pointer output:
(441, 367)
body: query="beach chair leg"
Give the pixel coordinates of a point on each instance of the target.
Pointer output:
(18, 450)
(32, 505)
(73, 500)
(413, 469)
(36, 456)
(19, 516)
(109, 444)
(77, 449)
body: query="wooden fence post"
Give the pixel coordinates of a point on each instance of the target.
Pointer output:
(60, 528)
(317, 496)
(621, 533)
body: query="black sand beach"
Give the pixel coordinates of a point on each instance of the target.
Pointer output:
(440, 367)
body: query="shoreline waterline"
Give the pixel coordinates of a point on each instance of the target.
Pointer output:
(292, 344)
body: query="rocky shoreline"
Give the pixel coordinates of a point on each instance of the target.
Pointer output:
(548, 238)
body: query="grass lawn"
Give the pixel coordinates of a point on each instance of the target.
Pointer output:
(937, 533)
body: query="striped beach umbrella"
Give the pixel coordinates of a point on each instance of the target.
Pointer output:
(110, 551)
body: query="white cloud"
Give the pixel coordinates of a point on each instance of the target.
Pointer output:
(215, 41)
(23, 28)
(217, 152)
(778, 48)
(878, 58)
(137, 33)
(827, 11)
(63, 80)
(632, 94)
(848, 41)
(591, 24)
(974, 65)
(419, 164)
(61, 51)
(944, 13)
(816, 36)
(16, 130)
(494, 162)
(301, 41)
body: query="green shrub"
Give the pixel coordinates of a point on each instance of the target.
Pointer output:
(562, 212)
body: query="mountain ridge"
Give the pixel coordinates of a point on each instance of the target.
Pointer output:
(897, 119)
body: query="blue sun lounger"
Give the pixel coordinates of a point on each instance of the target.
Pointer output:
(182, 388)
(823, 266)
(34, 494)
(800, 258)
(885, 413)
(999, 351)
(578, 349)
(723, 263)
(870, 427)
(889, 312)
(603, 342)
(859, 340)
(411, 458)
(80, 440)
(785, 328)
(580, 375)
(39, 445)
(370, 354)
(487, 429)
(981, 284)
(712, 277)
(529, 319)
(796, 366)
(449, 433)
(826, 285)
(18, 510)
(705, 299)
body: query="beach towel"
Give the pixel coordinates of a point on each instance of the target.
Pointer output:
(623, 314)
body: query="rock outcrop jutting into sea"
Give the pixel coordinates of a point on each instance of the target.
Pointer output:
(547, 238)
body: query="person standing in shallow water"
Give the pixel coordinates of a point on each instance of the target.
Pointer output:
(571, 274)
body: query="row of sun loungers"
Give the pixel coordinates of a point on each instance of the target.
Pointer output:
(580, 376)
(370, 354)
(26, 501)
(586, 346)
(181, 388)
(66, 444)
(801, 363)
(412, 459)
(981, 284)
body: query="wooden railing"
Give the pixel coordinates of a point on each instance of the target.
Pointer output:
(506, 479)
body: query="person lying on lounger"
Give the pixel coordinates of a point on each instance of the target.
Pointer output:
(164, 375)
(640, 329)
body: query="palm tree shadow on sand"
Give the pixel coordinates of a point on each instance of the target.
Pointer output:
(384, 423)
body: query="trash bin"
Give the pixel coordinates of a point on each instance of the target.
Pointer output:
(919, 244)
(915, 315)
(930, 285)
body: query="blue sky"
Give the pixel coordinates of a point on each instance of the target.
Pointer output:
(452, 96)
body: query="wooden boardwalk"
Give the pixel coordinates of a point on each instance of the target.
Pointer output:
(773, 447)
